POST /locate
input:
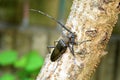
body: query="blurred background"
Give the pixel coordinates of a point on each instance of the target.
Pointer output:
(24, 36)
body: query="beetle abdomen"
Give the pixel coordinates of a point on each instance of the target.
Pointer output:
(58, 50)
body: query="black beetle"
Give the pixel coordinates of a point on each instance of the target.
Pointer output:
(66, 41)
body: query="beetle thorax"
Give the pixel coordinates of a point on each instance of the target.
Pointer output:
(68, 37)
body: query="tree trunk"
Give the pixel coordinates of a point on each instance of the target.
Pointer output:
(90, 20)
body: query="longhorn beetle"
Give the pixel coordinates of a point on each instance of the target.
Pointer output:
(66, 41)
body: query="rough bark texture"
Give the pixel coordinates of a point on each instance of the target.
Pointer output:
(90, 20)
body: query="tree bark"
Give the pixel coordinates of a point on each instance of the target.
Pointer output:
(90, 20)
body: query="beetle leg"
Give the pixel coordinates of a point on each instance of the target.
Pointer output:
(78, 43)
(72, 51)
(49, 47)
(55, 42)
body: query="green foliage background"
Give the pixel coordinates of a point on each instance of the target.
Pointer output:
(24, 68)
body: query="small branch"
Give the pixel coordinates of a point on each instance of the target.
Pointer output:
(90, 20)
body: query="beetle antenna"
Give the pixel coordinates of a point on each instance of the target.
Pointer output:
(51, 18)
